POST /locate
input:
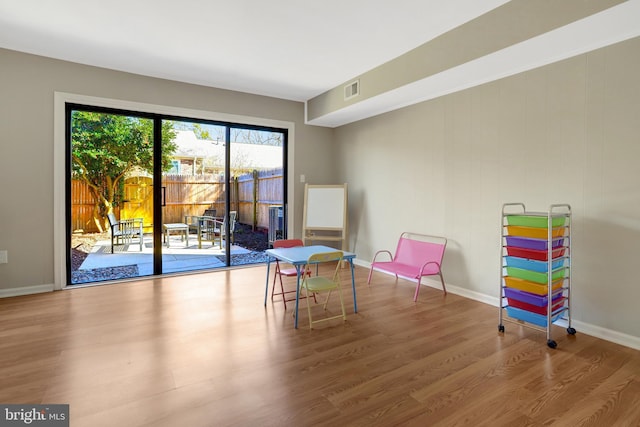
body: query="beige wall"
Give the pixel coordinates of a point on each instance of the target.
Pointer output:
(564, 133)
(27, 87)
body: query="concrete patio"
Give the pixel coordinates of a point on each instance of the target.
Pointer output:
(175, 258)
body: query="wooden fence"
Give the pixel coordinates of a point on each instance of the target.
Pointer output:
(251, 195)
(82, 208)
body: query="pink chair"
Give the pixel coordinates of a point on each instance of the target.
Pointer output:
(417, 256)
(286, 272)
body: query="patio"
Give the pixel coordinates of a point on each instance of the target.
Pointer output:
(127, 260)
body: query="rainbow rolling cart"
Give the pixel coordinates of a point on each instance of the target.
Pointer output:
(535, 268)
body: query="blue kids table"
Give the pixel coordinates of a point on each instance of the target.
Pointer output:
(298, 257)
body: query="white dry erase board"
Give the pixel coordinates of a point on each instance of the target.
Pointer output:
(325, 209)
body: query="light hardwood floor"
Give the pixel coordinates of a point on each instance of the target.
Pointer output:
(202, 350)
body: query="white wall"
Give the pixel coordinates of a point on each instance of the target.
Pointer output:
(565, 133)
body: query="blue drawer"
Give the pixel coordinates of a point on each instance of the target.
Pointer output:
(529, 264)
(529, 317)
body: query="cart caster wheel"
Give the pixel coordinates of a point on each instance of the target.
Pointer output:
(552, 344)
(571, 331)
(500, 328)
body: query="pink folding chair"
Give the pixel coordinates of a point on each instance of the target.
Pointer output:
(286, 272)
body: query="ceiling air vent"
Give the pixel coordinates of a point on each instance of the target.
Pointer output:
(352, 90)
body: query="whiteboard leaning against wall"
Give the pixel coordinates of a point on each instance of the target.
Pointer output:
(325, 213)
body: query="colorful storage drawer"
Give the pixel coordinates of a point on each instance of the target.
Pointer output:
(535, 221)
(557, 304)
(532, 287)
(539, 255)
(527, 264)
(533, 232)
(528, 297)
(527, 316)
(534, 276)
(538, 244)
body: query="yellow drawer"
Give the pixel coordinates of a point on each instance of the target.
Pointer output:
(533, 287)
(532, 232)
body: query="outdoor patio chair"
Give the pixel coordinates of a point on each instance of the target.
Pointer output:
(220, 228)
(211, 229)
(197, 223)
(203, 226)
(125, 231)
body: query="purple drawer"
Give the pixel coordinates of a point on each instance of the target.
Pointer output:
(529, 298)
(528, 243)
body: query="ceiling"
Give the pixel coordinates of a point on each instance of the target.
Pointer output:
(288, 49)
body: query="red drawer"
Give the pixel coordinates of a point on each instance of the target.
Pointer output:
(557, 303)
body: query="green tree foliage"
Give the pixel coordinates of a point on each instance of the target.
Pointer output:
(106, 148)
(201, 132)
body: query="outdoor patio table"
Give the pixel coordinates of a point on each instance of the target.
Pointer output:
(178, 226)
(298, 257)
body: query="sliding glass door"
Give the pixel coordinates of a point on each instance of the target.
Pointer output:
(150, 194)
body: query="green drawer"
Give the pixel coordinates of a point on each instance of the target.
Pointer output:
(535, 221)
(534, 276)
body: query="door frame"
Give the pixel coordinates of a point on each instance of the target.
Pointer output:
(61, 99)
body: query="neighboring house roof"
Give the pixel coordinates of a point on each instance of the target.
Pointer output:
(250, 155)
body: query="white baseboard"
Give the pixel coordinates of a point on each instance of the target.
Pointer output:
(581, 327)
(26, 290)
(606, 334)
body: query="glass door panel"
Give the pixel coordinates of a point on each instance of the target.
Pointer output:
(194, 198)
(111, 209)
(256, 165)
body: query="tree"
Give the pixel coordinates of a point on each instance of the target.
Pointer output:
(256, 137)
(201, 133)
(106, 148)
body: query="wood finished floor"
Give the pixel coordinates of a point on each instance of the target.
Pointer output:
(202, 350)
